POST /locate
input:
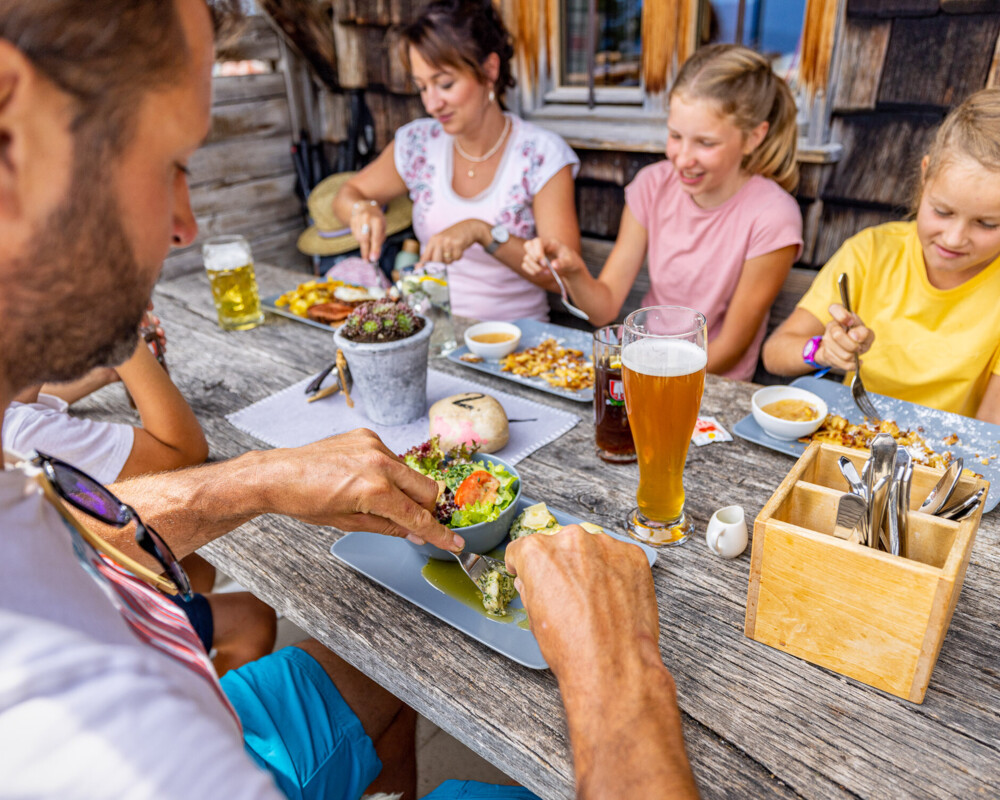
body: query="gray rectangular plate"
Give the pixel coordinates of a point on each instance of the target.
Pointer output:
(534, 332)
(268, 304)
(974, 436)
(395, 564)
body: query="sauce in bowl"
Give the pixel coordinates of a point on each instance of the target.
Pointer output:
(493, 338)
(792, 410)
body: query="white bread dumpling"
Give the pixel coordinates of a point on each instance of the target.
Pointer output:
(470, 418)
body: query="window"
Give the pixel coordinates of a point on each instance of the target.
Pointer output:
(593, 93)
(617, 43)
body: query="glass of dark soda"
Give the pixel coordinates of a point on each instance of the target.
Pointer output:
(612, 434)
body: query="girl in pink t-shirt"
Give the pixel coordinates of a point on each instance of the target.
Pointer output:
(716, 220)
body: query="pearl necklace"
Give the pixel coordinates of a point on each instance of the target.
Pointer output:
(488, 154)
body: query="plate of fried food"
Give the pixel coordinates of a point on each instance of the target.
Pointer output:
(549, 357)
(321, 303)
(933, 437)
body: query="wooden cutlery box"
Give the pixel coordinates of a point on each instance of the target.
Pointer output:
(864, 613)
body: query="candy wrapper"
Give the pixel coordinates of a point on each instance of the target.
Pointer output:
(708, 430)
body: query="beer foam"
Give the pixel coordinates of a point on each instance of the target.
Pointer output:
(227, 257)
(664, 358)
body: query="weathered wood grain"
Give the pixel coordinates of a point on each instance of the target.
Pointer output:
(960, 48)
(239, 88)
(860, 63)
(892, 8)
(599, 208)
(231, 162)
(259, 117)
(841, 222)
(882, 153)
(758, 722)
(256, 41)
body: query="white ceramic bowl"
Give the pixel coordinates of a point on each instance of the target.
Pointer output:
(493, 351)
(785, 429)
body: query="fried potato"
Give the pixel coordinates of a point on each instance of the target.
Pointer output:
(310, 293)
(561, 367)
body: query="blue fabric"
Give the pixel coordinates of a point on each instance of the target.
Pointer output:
(199, 613)
(298, 727)
(474, 790)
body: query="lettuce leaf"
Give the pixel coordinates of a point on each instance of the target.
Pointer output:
(487, 512)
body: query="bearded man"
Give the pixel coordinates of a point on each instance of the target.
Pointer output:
(104, 689)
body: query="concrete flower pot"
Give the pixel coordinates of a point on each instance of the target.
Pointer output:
(391, 377)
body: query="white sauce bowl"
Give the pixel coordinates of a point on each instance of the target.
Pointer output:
(786, 429)
(497, 350)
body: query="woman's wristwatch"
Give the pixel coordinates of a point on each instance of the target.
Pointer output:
(809, 351)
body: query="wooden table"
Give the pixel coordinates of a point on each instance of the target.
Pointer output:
(758, 722)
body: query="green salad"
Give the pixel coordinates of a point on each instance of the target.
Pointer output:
(470, 491)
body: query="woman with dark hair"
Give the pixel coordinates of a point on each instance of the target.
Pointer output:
(482, 180)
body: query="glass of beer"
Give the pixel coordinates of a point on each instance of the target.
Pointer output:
(663, 365)
(612, 434)
(229, 264)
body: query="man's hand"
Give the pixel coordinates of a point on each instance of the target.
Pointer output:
(588, 596)
(593, 611)
(355, 483)
(844, 336)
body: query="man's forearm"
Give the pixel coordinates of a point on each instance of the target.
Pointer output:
(625, 731)
(191, 507)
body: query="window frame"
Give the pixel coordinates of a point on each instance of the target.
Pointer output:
(629, 118)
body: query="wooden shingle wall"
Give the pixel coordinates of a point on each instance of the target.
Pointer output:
(242, 178)
(903, 64)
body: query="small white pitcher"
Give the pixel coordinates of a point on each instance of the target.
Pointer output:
(726, 535)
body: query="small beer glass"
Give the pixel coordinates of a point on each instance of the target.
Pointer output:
(664, 358)
(428, 292)
(229, 265)
(612, 434)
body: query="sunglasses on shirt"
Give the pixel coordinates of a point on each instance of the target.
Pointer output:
(88, 496)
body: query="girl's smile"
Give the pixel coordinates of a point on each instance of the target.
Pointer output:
(707, 149)
(958, 222)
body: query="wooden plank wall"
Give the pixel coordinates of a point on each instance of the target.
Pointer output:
(903, 65)
(242, 179)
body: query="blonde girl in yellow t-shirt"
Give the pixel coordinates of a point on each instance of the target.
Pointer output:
(925, 293)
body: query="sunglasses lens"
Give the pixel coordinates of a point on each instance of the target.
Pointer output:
(156, 547)
(89, 494)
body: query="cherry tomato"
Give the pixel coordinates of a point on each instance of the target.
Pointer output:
(480, 486)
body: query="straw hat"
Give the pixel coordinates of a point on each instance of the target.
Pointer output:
(330, 236)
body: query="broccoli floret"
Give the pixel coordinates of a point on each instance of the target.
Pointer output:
(498, 590)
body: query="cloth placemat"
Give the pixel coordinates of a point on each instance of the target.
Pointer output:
(285, 419)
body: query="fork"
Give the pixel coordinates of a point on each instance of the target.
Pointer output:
(475, 566)
(572, 309)
(861, 398)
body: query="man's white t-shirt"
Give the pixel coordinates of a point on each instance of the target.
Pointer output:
(86, 708)
(98, 448)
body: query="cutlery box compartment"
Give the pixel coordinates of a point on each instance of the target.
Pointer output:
(863, 613)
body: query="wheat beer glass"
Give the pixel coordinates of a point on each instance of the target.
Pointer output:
(229, 264)
(663, 367)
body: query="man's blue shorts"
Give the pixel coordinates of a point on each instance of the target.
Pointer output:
(298, 727)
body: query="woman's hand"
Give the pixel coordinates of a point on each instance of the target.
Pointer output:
(540, 252)
(451, 243)
(845, 336)
(368, 227)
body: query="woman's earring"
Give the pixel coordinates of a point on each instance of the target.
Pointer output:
(492, 96)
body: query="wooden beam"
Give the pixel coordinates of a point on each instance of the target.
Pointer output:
(307, 30)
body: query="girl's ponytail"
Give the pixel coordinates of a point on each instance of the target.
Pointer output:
(746, 89)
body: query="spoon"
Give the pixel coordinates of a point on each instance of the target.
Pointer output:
(944, 488)
(961, 509)
(850, 473)
(883, 458)
(572, 309)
